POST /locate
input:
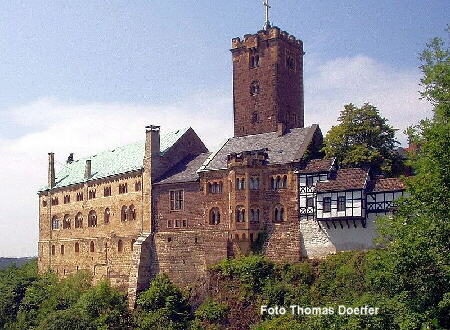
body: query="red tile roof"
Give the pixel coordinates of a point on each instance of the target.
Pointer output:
(388, 184)
(345, 179)
(317, 166)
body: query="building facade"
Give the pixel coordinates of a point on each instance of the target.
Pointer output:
(167, 204)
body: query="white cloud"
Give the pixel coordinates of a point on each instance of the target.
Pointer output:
(361, 79)
(54, 125)
(84, 129)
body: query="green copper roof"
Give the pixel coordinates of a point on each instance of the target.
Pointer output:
(112, 162)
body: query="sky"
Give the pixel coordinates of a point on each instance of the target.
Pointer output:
(82, 76)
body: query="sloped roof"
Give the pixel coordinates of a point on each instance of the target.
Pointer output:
(185, 171)
(387, 184)
(284, 149)
(317, 166)
(345, 179)
(112, 162)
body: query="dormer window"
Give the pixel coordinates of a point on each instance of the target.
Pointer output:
(254, 61)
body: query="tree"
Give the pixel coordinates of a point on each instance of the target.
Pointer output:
(418, 237)
(162, 306)
(362, 138)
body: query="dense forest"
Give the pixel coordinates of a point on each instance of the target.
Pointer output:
(5, 262)
(407, 278)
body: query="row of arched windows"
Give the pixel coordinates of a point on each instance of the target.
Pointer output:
(120, 247)
(127, 213)
(215, 187)
(278, 182)
(278, 215)
(92, 193)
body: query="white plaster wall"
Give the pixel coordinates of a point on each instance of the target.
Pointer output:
(319, 242)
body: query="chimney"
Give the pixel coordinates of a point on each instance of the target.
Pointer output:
(70, 158)
(51, 170)
(281, 129)
(88, 170)
(152, 148)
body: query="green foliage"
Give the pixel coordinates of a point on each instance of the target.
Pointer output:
(362, 138)
(418, 255)
(13, 284)
(104, 307)
(162, 306)
(212, 312)
(252, 270)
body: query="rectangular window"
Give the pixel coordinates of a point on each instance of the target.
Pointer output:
(184, 223)
(341, 203)
(310, 201)
(79, 197)
(176, 200)
(309, 181)
(123, 188)
(107, 191)
(177, 223)
(169, 224)
(327, 204)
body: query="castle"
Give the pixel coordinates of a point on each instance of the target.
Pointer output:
(167, 204)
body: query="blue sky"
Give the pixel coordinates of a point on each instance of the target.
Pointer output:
(80, 76)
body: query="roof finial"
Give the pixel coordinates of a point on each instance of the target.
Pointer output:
(267, 23)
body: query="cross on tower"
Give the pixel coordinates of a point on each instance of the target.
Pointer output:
(267, 23)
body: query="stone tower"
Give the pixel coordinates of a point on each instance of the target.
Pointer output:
(267, 82)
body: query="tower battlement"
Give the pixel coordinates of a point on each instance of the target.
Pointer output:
(252, 40)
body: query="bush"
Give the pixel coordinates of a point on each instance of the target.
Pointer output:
(162, 306)
(212, 312)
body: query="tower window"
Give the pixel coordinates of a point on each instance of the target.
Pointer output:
(279, 213)
(254, 61)
(290, 62)
(254, 88)
(255, 117)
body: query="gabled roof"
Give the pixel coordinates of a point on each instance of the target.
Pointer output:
(318, 165)
(387, 184)
(284, 149)
(116, 161)
(185, 171)
(345, 179)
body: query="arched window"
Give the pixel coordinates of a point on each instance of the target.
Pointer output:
(79, 220)
(92, 247)
(278, 213)
(131, 213)
(254, 215)
(55, 223)
(214, 216)
(124, 213)
(272, 183)
(254, 88)
(284, 182)
(62, 249)
(120, 246)
(107, 215)
(278, 185)
(240, 214)
(132, 244)
(66, 222)
(244, 237)
(236, 237)
(53, 250)
(77, 247)
(92, 219)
